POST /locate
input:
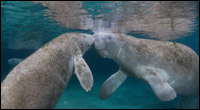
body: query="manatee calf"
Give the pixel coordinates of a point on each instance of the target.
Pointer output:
(168, 67)
(40, 79)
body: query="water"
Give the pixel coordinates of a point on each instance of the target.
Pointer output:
(26, 26)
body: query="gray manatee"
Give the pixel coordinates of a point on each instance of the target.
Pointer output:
(168, 67)
(40, 79)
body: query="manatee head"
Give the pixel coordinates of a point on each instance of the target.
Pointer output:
(88, 41)
(107, 44)
(85, 42)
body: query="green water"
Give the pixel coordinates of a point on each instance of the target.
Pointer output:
(23, 21)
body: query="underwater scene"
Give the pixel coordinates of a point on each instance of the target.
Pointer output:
(100, 54)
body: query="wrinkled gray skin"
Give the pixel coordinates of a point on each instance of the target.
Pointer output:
(39, 80)
(168, 67)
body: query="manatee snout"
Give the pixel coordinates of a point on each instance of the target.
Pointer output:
(89, 39)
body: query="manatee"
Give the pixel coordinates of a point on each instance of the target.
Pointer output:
(40, 79)
(169, 68)
(14, 61)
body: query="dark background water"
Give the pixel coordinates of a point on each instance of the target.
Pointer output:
(17, 20)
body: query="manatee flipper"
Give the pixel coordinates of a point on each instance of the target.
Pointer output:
(111, 84)
(160, 87)
(83, 73)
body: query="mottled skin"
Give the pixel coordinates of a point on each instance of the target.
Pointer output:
(177, 65)
(39, 80)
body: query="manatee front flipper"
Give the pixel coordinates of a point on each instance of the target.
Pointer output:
(111, 84)
(160, 87)
(83, 73)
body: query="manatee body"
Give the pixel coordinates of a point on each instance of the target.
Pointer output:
(168, 67)
(40, 79)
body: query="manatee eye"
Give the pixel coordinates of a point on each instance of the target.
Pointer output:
(109, 38)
